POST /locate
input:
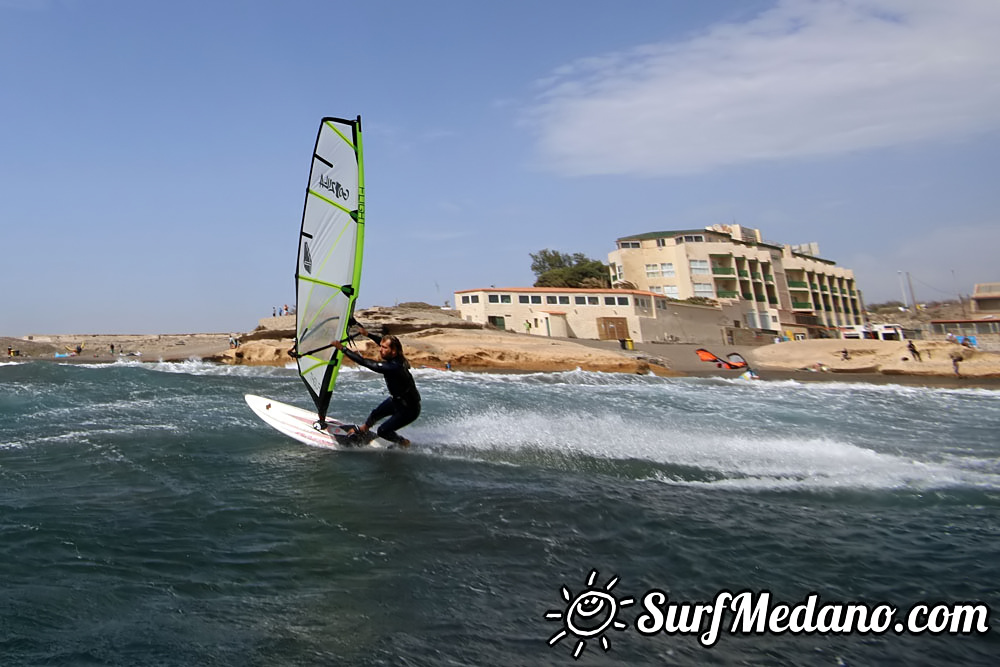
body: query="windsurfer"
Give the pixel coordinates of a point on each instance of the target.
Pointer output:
(403, 405)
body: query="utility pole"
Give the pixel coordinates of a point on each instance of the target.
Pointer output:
(902, 289)
(960, 301)
(913, 297)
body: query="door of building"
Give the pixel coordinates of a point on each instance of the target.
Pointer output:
(612, 328)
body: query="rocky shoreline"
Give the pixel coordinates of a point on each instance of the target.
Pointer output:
(441, 339)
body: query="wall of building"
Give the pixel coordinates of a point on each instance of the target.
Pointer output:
(587, 313)
(986, 298)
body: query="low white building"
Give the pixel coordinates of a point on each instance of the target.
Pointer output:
(602, 314)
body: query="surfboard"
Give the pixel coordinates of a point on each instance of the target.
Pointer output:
(298, 423)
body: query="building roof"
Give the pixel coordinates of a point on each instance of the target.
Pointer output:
(675, 232)
(571, 290)
(988, 318)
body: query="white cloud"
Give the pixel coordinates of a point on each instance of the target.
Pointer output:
(805, 78)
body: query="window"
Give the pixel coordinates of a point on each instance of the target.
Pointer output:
(623, 301)
(656, 289)
(593, 301)
(667, 269)
(671, 291)
(652, 270)
(564, 300)
(536, 299)
(580, 300)
(523, 298)
(691, 238)
(700, 267)
(660, 243)
(505, 298)
(465, 298)
(494, 298)
(475, 298)
(550, 300)
(704, 289)
(629, 244)
(609, 301)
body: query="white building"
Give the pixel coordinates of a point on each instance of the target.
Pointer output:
(603, 314)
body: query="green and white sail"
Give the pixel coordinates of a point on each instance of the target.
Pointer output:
(330, 251)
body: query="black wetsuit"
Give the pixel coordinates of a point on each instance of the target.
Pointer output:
(403, 405)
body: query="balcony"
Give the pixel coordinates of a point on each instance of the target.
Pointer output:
(744, 274)
(723, 271)
(798, 284)
(801, 305)
(727, 294)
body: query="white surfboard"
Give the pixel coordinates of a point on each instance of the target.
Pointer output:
(300, 424)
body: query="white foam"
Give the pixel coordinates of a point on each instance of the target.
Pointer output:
(732, 459)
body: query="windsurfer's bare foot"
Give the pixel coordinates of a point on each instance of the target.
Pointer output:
(403, 442)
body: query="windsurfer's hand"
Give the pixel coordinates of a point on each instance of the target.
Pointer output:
(337, 344)
(362, 330)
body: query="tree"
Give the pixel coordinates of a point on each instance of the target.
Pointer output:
(557, 269)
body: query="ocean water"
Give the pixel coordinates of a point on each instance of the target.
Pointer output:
(147, 517)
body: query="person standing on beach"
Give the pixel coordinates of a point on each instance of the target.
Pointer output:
(956, 357)
(913, 350)
(403, 405)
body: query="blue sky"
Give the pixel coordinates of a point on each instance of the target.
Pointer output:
(153, 156)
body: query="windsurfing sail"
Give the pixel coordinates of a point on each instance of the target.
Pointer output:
(331, 245)
(734, 362)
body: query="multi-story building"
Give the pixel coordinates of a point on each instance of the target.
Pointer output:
(986, 298)
(780, 288)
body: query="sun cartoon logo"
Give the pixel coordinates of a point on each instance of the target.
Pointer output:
(588, 614)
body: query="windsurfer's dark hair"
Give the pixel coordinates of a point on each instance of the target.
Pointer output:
(397, 347)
